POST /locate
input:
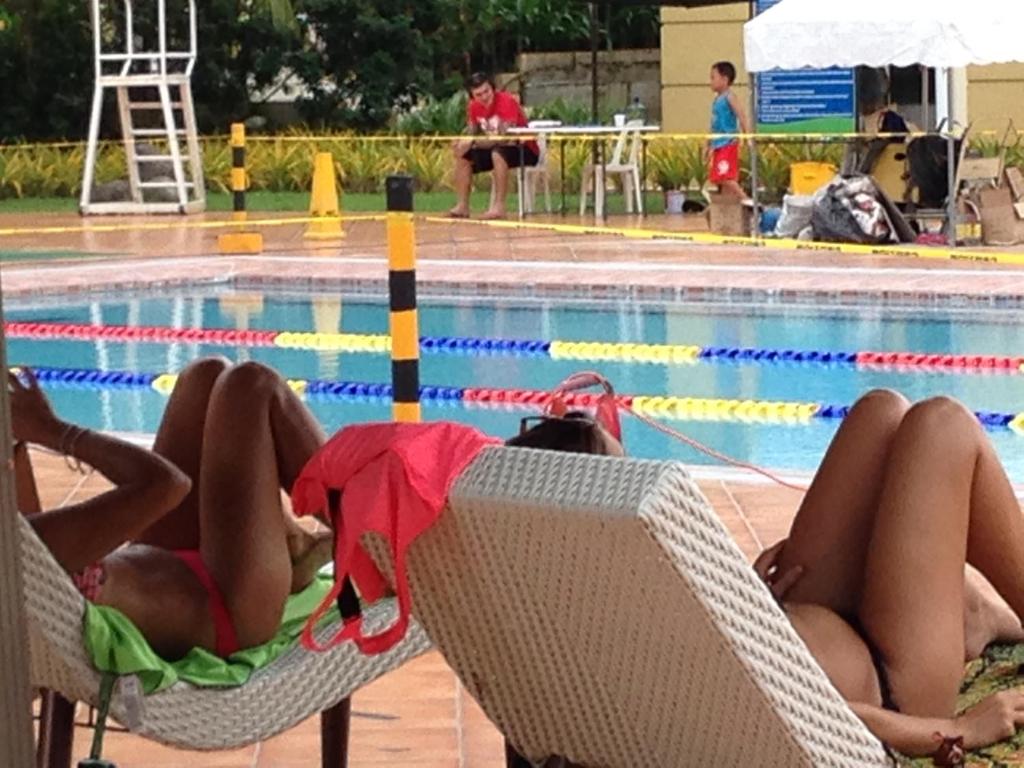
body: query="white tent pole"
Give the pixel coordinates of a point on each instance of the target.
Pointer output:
(15, 696)
(943, 103)
(925, 101)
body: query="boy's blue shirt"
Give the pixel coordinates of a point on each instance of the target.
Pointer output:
(723, 120)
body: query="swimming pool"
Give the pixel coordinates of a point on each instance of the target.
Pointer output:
(718, 326)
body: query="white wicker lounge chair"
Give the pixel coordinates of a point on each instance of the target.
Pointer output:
(599, 610)
(295, 686)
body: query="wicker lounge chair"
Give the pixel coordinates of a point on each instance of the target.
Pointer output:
(295, 686)
(599, 610)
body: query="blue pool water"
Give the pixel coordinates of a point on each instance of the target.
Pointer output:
(782, 446)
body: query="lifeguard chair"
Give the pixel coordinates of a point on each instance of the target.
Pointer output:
(146, 58)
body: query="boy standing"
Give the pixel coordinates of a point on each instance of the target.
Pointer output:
(727, 117)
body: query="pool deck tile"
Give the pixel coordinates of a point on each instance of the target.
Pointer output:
(474, 256)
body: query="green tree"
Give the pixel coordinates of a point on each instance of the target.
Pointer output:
(362, 59)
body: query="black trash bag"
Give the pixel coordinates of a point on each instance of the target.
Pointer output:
(928, 167)
(833, 221)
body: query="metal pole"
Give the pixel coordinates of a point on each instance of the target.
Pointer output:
(15, 694)
(951, 212)
(755, 219)
(405, 339)
(593, 63)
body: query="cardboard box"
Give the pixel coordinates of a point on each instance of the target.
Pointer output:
(728, 216)
(999, 222)
(1015, 179)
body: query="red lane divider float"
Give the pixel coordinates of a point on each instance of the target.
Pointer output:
(146, 333)
(537, 397)
(920, 360)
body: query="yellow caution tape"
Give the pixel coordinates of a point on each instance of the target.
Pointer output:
(551, 136)
(143, 227)
(785, 244)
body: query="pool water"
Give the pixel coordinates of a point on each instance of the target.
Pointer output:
(797, 447)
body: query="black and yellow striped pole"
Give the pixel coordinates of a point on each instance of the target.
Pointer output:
(405, 335)
(240, 241)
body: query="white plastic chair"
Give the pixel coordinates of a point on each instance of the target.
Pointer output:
(534, 174)
(628, 172)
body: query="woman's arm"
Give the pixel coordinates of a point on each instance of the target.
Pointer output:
(147, 486)
(991, 720)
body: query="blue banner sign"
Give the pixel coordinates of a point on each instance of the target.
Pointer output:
(805, 100)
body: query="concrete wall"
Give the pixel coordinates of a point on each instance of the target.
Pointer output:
(994, 94)
(622, 76)
(691, 40)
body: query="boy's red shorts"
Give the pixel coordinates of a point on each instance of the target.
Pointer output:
(725, 164)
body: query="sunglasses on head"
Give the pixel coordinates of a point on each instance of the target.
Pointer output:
(582, 420)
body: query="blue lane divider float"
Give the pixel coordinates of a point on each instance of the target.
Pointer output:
(672, 407)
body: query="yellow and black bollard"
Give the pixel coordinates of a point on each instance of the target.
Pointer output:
(239, 241)
(405, 337)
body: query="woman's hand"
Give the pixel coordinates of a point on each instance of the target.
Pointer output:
(32, 418)
(994, 719)
(767, 567)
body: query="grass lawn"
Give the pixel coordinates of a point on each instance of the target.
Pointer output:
(355, 202)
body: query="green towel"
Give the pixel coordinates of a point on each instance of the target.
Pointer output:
(999, 669)
(115, 645)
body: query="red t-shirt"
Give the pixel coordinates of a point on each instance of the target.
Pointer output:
(505, 108)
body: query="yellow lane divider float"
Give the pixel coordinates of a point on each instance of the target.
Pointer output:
(648, 353)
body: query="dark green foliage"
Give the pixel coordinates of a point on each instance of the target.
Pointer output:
(46, 69)
(361, 62)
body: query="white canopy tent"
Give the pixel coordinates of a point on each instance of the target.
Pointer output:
(941, 34)
(876, 33)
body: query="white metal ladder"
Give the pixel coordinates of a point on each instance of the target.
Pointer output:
(147, 83)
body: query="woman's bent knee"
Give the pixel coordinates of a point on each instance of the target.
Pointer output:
(942, 416)
(200, 375)
(251, 379)
(883, 404)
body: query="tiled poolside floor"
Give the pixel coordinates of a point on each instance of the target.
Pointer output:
(418, 716)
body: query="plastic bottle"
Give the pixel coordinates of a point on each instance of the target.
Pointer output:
(636, 111)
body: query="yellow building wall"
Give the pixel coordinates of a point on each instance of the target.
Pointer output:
(692, 40)
(995, 94)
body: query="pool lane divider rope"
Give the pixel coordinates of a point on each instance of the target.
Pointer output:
(660, 354)
(663, 407)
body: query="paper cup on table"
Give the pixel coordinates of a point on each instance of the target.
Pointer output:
(620, 120)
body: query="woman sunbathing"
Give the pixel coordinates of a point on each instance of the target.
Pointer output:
(192, 543)
(872, 574)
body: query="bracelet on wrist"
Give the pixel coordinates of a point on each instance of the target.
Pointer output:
(69, 440)
(950, 752)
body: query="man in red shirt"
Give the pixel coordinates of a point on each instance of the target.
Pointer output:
(489, 112)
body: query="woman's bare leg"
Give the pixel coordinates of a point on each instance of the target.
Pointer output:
(946, 501)
(830, 533)
(258, 437)
(180, 439)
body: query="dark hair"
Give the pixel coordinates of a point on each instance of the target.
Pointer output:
(573, 433)
(477, 79)
(726, 69)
